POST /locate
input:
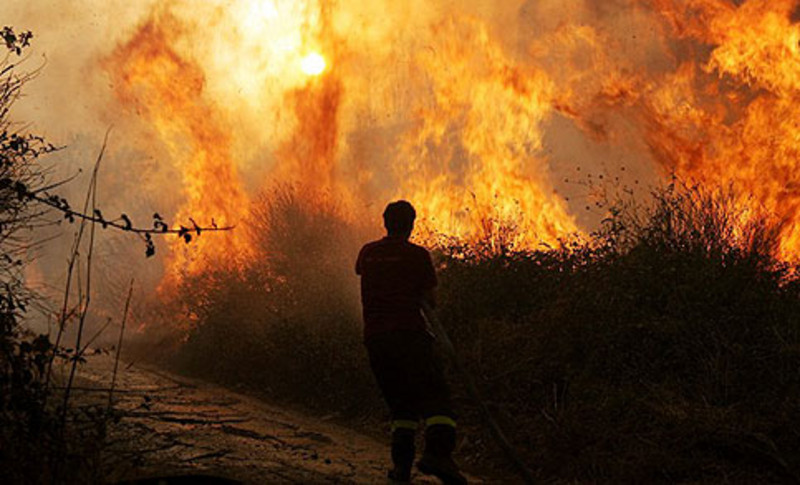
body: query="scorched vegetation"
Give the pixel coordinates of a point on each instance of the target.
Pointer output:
(665, 348)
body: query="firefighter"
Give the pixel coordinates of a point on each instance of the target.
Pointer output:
(396, 277)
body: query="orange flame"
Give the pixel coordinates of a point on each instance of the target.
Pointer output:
(714, 97)
(309, 156)
(734, 117)
(474, 164)
(168, 90)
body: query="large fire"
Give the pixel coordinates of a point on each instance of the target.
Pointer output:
(733, 114)
(468, 114)
(152, 78)
(470, 157)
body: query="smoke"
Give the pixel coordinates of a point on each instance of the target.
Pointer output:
(246, 51)
(499, 120)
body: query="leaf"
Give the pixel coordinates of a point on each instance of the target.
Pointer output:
(42, 343)
(151, 248)
(21, 190)
(99, 215)
(160, 225)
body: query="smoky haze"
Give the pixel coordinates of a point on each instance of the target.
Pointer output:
(486, 115)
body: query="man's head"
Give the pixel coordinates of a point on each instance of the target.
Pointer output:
(398, 218)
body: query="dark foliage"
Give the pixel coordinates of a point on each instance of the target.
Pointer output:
(664, 349)
(267, 322)
(37, 445)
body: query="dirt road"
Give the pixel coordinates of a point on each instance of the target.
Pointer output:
(172, 425)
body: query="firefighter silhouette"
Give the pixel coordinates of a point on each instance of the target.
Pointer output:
(397, 276)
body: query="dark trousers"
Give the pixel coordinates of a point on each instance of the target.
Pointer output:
(410, 376)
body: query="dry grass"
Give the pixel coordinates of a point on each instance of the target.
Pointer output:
(663, 350)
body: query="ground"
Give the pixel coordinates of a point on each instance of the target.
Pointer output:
(172, 426)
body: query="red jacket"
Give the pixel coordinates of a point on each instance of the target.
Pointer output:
(395, 275)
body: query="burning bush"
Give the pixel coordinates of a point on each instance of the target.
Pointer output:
(287, 320)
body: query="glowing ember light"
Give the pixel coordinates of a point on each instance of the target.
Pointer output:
(313, 64)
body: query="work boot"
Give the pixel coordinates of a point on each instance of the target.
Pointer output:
(440, 441)
(399, 477)
(443, 468)
(402, 455)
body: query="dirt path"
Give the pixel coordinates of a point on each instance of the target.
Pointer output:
(172, 425)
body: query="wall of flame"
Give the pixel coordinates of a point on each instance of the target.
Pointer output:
(483, 114)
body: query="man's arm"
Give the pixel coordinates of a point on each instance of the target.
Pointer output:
(429, 282)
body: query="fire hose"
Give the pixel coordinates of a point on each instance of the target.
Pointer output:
(472, 389)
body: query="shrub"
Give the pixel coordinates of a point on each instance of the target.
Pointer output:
(36, 445)
(285, 322)
(662, 349)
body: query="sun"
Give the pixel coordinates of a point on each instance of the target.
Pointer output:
(313, 64)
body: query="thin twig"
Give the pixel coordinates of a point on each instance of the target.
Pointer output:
(94, 337)
(62, 321)
(82, 322)
(90, 198)
(119, 345)
(58, 184)
(123, 226)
